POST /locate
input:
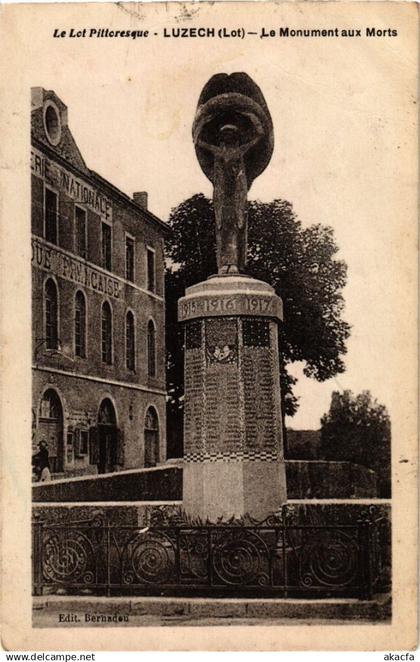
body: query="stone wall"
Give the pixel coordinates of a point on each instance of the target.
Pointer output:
(305, 480)
(159, 484)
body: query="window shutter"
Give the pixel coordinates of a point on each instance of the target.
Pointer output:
(93, 445)
(76, 441)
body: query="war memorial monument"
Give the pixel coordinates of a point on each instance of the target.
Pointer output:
(233, 447)
(218, 523)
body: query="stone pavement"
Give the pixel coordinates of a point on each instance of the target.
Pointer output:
(78, 611)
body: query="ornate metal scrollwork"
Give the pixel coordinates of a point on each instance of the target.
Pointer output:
(276, 555)
(149, 559)
(240, 557)
(68, 557)
(193, 554)
(330, 558)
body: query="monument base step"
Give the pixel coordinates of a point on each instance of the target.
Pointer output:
(70, 611)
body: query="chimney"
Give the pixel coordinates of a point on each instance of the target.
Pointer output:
(140, 199)
(37, 97)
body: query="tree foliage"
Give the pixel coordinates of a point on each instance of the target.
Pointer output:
(298, 262)
(358, 429)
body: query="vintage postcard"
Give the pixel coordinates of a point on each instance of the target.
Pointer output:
(208, 325)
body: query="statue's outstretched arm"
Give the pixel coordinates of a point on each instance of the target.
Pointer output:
(259, 131)
(196, 135)
(210, 148)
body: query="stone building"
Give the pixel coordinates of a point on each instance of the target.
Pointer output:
(98, 310)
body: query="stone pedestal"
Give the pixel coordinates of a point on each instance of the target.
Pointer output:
(233, 445)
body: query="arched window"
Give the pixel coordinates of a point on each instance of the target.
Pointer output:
(130, 349)
(151, 438)
(106, 333)
(106, 413)
(151, 349)
(51, 315)
(80, 325)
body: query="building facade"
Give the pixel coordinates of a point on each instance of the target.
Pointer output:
(98, 310)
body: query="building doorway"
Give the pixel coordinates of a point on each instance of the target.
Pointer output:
(107, 437)
(151, 438)
(51, 429)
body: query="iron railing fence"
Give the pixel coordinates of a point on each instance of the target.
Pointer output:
(379, 561)
(279, 560)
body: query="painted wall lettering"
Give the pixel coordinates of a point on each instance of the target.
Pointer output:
(73, 186)
(70, 268)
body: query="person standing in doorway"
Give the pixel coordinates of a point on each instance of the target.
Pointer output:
(41, 462)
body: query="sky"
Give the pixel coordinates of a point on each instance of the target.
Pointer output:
(340, 110)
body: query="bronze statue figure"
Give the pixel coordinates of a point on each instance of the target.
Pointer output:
(233, 137)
